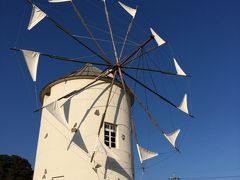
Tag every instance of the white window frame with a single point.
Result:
(110, 135)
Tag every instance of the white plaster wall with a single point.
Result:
(57, 155)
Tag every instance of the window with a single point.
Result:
(110, 135)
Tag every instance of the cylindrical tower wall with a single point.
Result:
(64, 153)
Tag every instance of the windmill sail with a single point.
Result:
(145, 154)
(178, 68)
(55, 109)
(130, 10)
(36, 16)
(172, 137)
(157, 38)
(31, 59)
(183, 106)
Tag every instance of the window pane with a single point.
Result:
(107, 143)
(113, 145)
(113, 134)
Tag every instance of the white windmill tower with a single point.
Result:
(86, 125)
(76, 139)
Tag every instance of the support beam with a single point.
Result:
(62, 58)
(125, 61)
(152, 70)
(149, 89)
(106, 72)
(59, 26)
(88, 30)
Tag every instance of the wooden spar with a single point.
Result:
(125, 61)
(143, 53)
(150, 116)
(110, 30)
(62, 58)
(149, 89)
(59, 26)
(81, 89)
(88, 30)
(154, 92)
(153, 70)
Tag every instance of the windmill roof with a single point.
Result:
(87, 72)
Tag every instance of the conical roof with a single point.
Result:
(87, 72)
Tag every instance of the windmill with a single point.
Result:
(86, 126)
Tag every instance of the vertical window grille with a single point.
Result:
(110, 135)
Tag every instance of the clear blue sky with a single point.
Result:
(205, 38)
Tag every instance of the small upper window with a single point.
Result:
(110, 135)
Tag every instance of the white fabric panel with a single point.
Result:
(56, 1)
(172, 137)
(145, 154)
(31, 59)
(102, 148)
(157, 38)
(36, 16)
(130, 10)
(55, 109)
(183, 106)
(178, 68)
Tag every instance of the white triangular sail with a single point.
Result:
(145, 154)
(103, 149)
(172, 137)
(184, 105)
(178, 68)
(130, 10)
(55, 109)
(31, 59)
(157, 38)
(56, 1)
(36, 16)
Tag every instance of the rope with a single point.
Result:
(125, 39)
(36, 94)
(87, 29)
(20, 28)
(103, 40)
(106, 32)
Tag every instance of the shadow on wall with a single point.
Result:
(113, 165)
